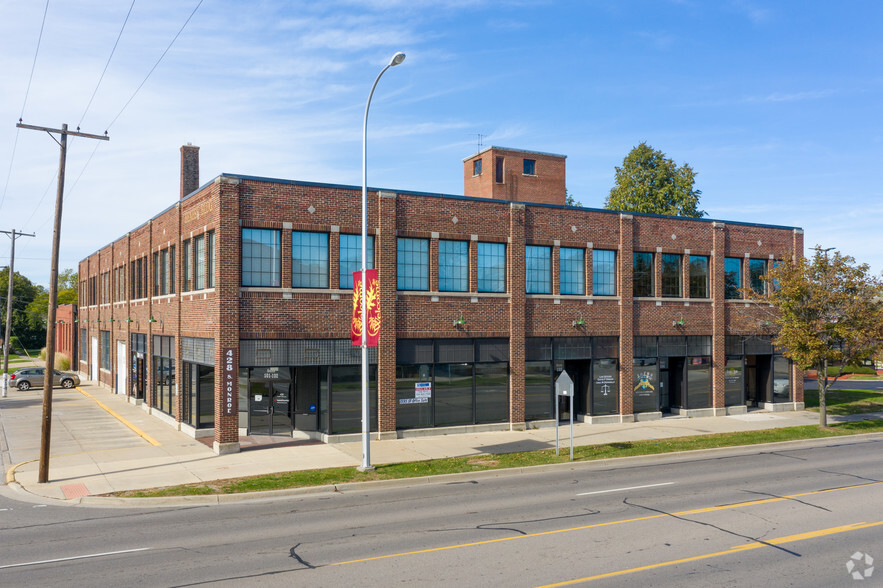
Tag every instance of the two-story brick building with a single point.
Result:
(485, 299)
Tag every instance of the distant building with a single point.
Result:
(485, 300)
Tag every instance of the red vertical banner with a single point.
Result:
(372, 303)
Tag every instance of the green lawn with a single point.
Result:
(847, 401)
(505, 460)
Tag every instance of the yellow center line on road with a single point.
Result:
(138, 431)
(738, 549)
(610, 523)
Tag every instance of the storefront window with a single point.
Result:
(491, 392)
(781, 379)
(414, 396)
(453, 394)
(733, 381)
(646, 385)
(698, 382)
(537, 390)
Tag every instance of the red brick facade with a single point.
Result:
(228, 313)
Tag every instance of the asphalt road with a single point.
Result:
(790, 515)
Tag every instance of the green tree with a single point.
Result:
(31, 333)
(38, 309)
(829, 311)
(569, 200)
(648, 181)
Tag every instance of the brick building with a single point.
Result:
(228, 313)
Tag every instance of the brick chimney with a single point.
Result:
(189, 169)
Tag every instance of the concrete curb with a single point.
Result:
(217, 499)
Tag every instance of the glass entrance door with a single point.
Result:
(269, 408)
(259, 415)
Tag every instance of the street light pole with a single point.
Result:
(366, 413)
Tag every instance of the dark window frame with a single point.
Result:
(643, 276)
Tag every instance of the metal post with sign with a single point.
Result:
(564, 387)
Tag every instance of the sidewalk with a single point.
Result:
(94, 451)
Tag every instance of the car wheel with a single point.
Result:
(67, 383)
(25, 385)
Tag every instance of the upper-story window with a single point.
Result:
(164, 271)
(671, 275)
(491, 267)
(603, 272)
(732, 277)
(573, 271)
(453, 266)
(498, 171)
(538, 269)
(138, 278)
(476, 167)
(309, 260)
(351, 257)
(412, 262)
(756, 273)
(530, 167)
(698, 276)
(642, 274)
(187, 265)
(261, 257)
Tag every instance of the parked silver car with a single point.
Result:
(27, 378)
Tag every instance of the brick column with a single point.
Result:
(178, 281)
(517, 299)
(589, 265)
(149, 397)
(334, 258)
(719, 327)
(626, 316)
(228, 248)
(385, 262)
(685, 274)
(433, 262)
(556, 267)
(473, 263)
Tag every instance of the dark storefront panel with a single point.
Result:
(491, 392)
(413, 410)
(605, 387)
(537, 390)
(699, 382)
(645, 387)
(453, 394)
(734, 375)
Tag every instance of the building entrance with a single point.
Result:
(757, 379)
(269, 408)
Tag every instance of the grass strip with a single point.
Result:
(434, 467)
(846, 401)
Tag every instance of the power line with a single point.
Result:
(34, 65)
(24, 103)
(132, 97)
(155, 65)
(112, 51)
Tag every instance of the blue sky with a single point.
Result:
(776, 105)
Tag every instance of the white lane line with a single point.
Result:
(629, 488)
(45, 561)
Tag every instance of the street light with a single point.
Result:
(366, 416)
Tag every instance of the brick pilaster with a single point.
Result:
(228, 246)
(719, 329)
(626, 313)
(517, 301)
(385, 262)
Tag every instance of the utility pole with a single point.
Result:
(13, 234)
(43, 475)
